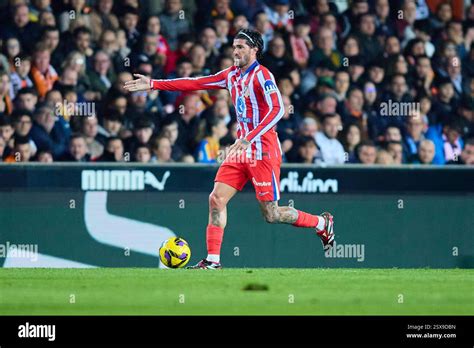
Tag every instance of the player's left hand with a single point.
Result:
(142, 83)
(238, 147)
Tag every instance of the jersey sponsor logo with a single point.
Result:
(309, 184)
(244, 119)
(269, 87)
(240, 105)
(263, 183)
(121, 180)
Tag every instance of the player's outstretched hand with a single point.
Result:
(142, 83)
(238, 148)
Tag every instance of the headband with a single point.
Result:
(242, 33)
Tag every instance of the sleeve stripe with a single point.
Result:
(274, 113)
(215, 81)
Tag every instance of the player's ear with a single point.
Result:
(255, 49)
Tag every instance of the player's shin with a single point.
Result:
(309, 220)
(214, 236)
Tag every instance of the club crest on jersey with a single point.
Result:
(240, 105)
(269, 87)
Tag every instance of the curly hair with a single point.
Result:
(253, 39)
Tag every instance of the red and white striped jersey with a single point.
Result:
(257, 100)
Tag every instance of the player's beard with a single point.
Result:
(240, 62)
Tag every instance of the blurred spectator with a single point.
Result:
(129, 22)
(352, 110)
(331, 149)
(467, 154)
(113, 151)
(81, 14)
(279, 15)
(47, 133)
(395, 148)
(50, 38)
(43, 74)
(447, 140)
(26, 98)
(142, 154)
(173, 22)
(222, 26)
(366, 152)
(415, 134)
(12, 49)
(21, 27)
(38, 6)
(300, 41)
(307, 151)
(77, 151)
(22, 123)
(2, 148)
(44, 157)
(426, 152)
(276, 58)
(161, 147)
(101, 77)
(263, 26)
(208, 148)
(370, 46)
(289, 122)
(142, 131)
(5, 99)
(384, 158)
(102, 18)
(90, 130)
(341, 85)
(19, 77)
(188, 123)
(392, 133)
(351, 137)
(21, 151)
(112, 124)
(169, 129)
(7, 131)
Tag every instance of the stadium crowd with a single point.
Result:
(368, 81)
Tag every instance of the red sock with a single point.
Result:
(306, 220)
(214, 236)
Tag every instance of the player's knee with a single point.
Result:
(216, 201)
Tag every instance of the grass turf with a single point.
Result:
(138, 291)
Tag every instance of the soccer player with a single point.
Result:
(256, 154)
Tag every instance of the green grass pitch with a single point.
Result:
(139, 291)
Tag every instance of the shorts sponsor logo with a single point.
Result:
(263, 183)
(37, 331)
(308, 184)
(262, 193)
(121, 180)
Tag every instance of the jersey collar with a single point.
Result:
(250, 68)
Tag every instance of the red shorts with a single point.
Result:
(264, 175)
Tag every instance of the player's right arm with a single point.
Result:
(143, 83)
